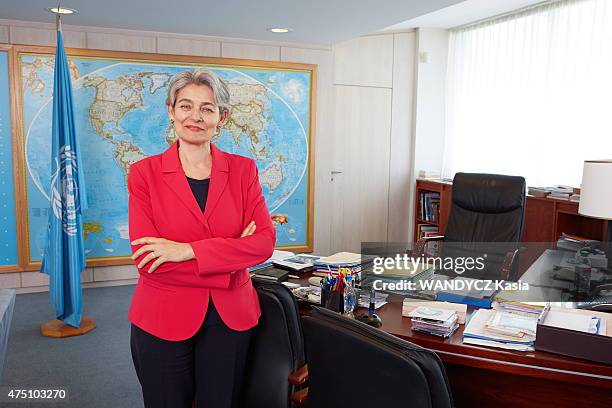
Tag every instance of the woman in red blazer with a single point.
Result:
(197, 220)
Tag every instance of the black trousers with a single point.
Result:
(207, 368)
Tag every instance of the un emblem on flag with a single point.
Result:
(64, 190)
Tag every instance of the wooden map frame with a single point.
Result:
(19, 166)
(13, 118)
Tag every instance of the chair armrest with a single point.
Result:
(299, 376)
(299, 397)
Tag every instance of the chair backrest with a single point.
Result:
(276, 349)
(486, 217)
(351, 364)
(486, 208)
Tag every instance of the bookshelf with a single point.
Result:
(546, 219)
(432, 206)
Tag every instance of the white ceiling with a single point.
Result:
(462, 13)
(314, 22)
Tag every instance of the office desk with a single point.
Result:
(487, 377)
(483, 376)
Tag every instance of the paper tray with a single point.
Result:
(588, 346)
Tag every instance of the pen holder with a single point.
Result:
(332, 300)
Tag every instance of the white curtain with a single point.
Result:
(531, 93)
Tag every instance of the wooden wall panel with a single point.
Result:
(361, 145)
(185, 46)
(46, 36)
(121, 42)
(364, 61)
(401, 165)
(250, 51)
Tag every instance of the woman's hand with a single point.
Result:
(162, 250)
(249, 230)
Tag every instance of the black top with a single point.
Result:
(199, 188)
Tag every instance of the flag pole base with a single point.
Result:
(57, 328)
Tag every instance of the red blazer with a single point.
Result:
(171, 302)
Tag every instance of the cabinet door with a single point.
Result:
(539, 220)
(361, 166)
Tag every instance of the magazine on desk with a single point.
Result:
(297, 263)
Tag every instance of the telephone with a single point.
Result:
(601, 301)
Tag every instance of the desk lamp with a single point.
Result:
(596, 195)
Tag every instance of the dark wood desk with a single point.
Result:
(489, 377)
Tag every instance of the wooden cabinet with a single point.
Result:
(546, 219)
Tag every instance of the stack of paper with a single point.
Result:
(276, 256)
(517, 326)
(500, 329)
(439, 322)
(574, 321)
(348, 260)
(411, 272)
(514, 302)
(380, 299)
(408, 305)
(310, 294)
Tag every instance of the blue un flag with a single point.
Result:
(64, 256)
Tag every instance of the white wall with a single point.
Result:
(430, 117)
(432, 50)
(20, 32)
(373, 84)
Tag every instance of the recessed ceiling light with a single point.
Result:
(279, 30)
(62, 10)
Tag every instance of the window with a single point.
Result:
(531, 93)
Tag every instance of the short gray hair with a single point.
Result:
(200, 76)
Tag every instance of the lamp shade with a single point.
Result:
(596, 189)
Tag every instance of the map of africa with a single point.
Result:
(121, 118)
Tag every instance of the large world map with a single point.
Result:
(121, 118)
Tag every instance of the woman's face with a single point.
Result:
(195, 114)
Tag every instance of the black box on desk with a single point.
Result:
(332, 300)
(572, 343)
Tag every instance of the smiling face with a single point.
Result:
(195, 114)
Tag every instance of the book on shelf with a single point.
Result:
(559, 195)
(558, 192)
(576, 243)
(562, 189)
(429, 206)
(426, 230)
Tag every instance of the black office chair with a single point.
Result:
(351, 364)
(276, 352)
(486, 216)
